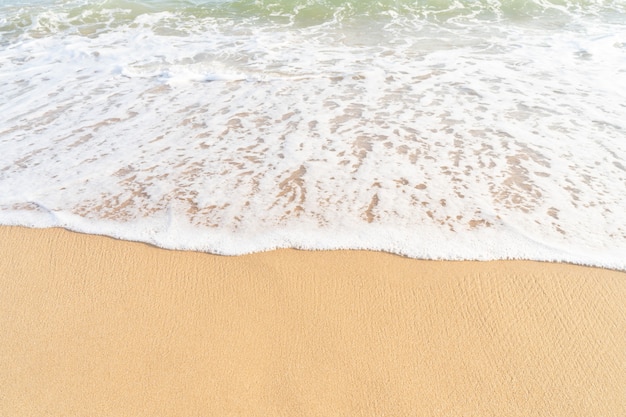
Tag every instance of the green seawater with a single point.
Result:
(16, 14)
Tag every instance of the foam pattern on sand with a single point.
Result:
(449, 139)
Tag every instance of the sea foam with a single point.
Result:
(476, 136)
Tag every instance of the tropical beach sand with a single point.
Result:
(93, 326)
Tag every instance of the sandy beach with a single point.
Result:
(94, 326)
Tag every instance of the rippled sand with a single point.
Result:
(94, 326)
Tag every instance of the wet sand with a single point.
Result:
(93, 326)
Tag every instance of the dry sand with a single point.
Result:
(93, 326)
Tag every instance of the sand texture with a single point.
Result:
(93, 326)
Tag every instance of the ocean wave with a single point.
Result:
(90, 17)
(234, 127)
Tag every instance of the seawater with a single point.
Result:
(439, 129)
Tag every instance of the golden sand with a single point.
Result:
(93, 326)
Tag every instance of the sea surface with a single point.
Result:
(438, 129)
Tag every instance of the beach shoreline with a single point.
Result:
(96, 326)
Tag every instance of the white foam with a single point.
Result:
(451, 141)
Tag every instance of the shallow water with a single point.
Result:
(454, 130)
